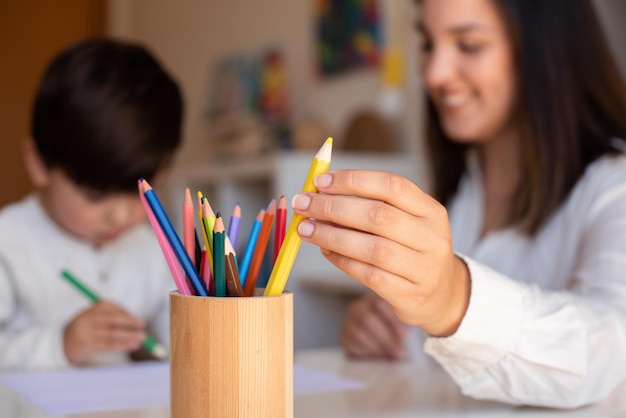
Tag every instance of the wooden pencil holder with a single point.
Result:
(231, 356)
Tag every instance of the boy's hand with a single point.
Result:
(103, 327)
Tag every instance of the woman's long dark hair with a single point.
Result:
(571, 105)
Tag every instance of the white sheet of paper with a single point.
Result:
(139, 385)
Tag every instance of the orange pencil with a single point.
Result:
(281, 224)
(189, 239)
(259, 249)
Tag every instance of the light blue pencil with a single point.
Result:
(248, 252)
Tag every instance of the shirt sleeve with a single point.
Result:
(523, 345)
(31, 348)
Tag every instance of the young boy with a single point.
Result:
(105, 114)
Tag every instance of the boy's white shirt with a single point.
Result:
(36, 303)
(546, 322)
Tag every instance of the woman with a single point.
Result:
(516, 269)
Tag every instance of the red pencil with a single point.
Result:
(205, 272)
(281, 224)
(259, 249)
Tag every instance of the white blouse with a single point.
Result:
(546, 322)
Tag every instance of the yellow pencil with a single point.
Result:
(291, 243)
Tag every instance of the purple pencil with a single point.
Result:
(233, 225)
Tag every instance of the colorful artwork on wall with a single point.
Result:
(252, 86)
(348, 35)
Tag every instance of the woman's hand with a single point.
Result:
(102, 327)
(372, 330)
(388, 234)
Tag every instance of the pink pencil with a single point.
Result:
(170, 257)
(188, 234)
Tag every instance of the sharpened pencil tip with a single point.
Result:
(325, 152)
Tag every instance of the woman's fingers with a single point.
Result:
(385, 232)
(377, 185)
(367, 248)
(373, 216)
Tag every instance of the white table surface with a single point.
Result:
(393, 390)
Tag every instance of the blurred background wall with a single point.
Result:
(190, 36)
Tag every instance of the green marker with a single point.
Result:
(149, 343)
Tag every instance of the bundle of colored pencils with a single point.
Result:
(213, 269)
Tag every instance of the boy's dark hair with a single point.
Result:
(107, 113)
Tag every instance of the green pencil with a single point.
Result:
(219, 260)
(149, 343)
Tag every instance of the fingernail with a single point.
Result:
(300, 202)
(323, 180)
(306, 228)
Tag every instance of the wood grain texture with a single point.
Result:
(231, 356)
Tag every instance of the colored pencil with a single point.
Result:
(233, 225)
(205, 273)
(172, 262)
(281, 224)
(289, 249)
(149, 343)
(172, 237)
(188, 238)
(200, 196)
(248, 252)
(208, 217)
(259, 249)
(207, 248)
(219, 272)
(198, 250)
(233, 283)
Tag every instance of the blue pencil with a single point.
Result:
(248, 252)
(170, 233)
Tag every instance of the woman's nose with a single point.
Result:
(437, 68)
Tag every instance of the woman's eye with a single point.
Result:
(470, 48)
